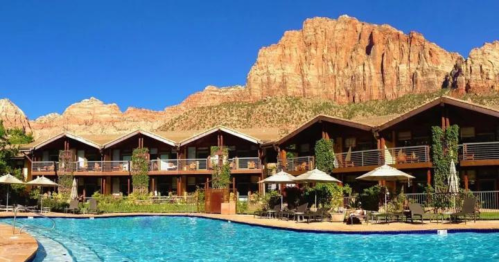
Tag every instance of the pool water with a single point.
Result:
(199, 239)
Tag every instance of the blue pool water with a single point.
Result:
(198, 239)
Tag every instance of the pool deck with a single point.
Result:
(16, 247)
(24, 246)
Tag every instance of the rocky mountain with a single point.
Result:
(92, 116)
(13, 117)
(326, 64)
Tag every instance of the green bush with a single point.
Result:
(369, 199)
(55, 204)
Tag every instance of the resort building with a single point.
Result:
(180, 162)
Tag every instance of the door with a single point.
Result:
(116, 155)
(191, 152)
(164, 162)
(81, 158)
(116, 185)
(125, 164)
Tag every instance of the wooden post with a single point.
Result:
(179, 184)
(428, 177)
(153, 186)
(443, 121)
(466, 180)
(128, 189)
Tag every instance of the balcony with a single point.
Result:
(44, 167)
(400, 157)
(297, 165)
(479, 154)
(101, 167)
(164, 165)
(245, 164)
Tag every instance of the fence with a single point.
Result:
(488, 201)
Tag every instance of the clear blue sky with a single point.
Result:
(153, 54)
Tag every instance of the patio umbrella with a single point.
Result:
(42, 182)
(453, 182)
(387, 173)
(74, 190)
(279, 178)
(9, 180)
(316, 176)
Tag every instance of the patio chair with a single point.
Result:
(73, 206)
(468, 210)
(415, 211)
(318, 215)
(273, 212)
(93, 209)
(348, 159)
(401, 157)
(296, 213)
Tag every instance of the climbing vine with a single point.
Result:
(65, 173)
(324, 155)
(140, 177)
(444, 149)
(221, 176)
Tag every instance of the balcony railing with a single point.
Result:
(102, 166)
(44, 166)
(480, 151)
(302, 163)
(242, 163)
(193, 164)
(164, 165)
(391, 156)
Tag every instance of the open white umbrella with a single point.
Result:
(279, 178)
(42, 182)
(9, 180)
(74, 190)
(316, 176)
(387, 173)
(453, 182)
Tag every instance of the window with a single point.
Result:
(404, 136)
(304, 148)
(467, 132)
(350, 142)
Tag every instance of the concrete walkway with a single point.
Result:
(16, 247)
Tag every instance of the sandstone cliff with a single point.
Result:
(92, 116)
(13, 117)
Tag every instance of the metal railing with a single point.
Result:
(391, 156)
(193, 164)
(487, 200)
(44, 166)
(480, 151)
(302, 163)
(164, 165)
(238, 163)
(102, 166)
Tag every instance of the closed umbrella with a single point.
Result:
(453, 182)
(74, 190)
(42, 182)
(279, 178)
(9, 180)
(316, 176)
(387, 173)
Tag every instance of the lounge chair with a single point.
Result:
(273, 212)
(318, 215)
(415, 211)
(468, 210)
(297, 213)
(92, 209)
(73, 206)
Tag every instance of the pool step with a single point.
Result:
(50, 250)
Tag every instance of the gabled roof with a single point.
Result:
(445, 100)
(134, 133)
(223, 129)
(42, 143)
(325, 118)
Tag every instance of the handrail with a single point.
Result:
(25, 226)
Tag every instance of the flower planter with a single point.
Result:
(337, 217)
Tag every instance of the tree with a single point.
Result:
(444, 149)
(324, 155)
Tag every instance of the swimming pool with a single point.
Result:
(199, 239)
